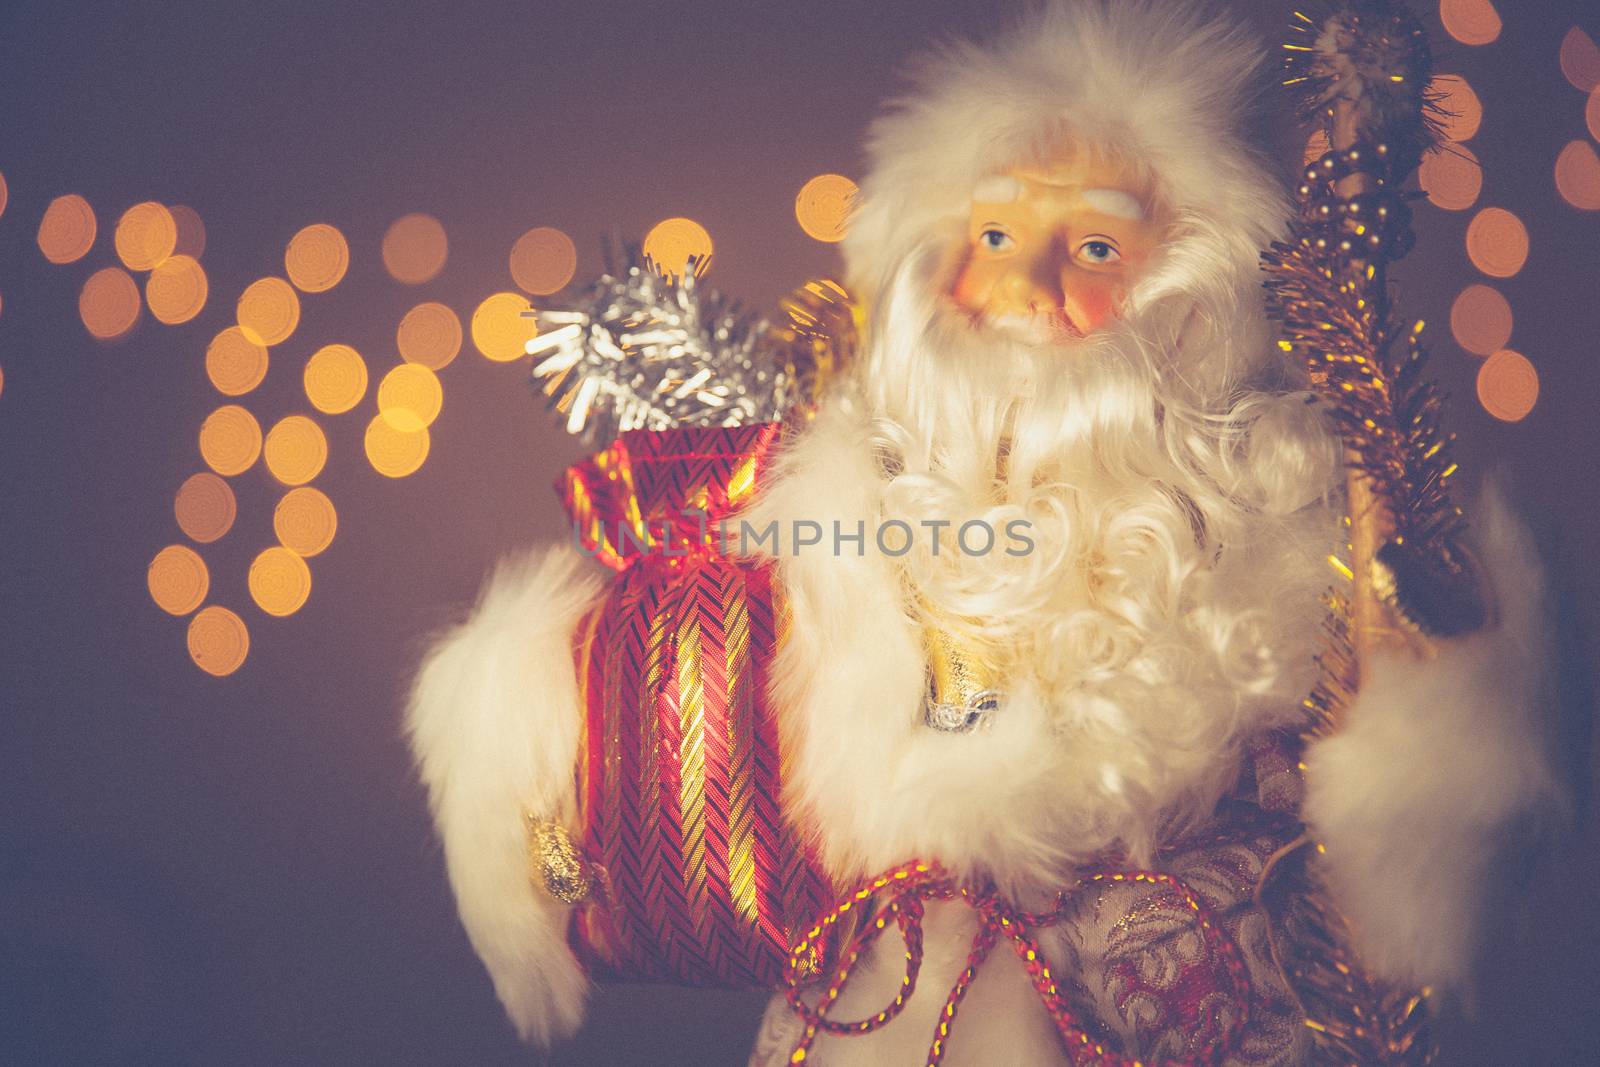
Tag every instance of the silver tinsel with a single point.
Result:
(643, 350)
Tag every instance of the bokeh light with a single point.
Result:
(1452, 177)
(1473, 22)
(543, 261)
(1481, 320)
(109, 303)
(395, 453)
(235, 363)
(1463, 111)
(500, 330)
(671, 242)
(230, 440)
(1578, 176)
(191, 231)
(415, 248)
(279, 581)
(269, 311)
(1497, 242)
(296, 450)
(2, 381)
(1591, 114)
(5, 194)
(145, 236)
(409, 397)
(317, 258)
(1580, 60)
(429, 334)
(205, 507)
(178, 579)
(177, 289)
(218, 641)
(335, 379)
(305, 521)
(67, 229)
(1508, 386)
(823, 206)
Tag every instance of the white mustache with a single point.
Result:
(1036, 329)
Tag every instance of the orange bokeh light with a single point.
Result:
(1497, 242)
(395, 453)
(543, 261)
(145, 236)
(500, 330)
(177, 289)
(1481, 320)
(191, 231)
(415, 248)
(1580, 60)
(1591, 114)
(305, 521)
(109, 303)
(205, 507)
(218, 641)
(1578, 176)
(409, 397)
(235, 363)
(178, 579)
(295, 450)
(671, 242)
(230, 440)
(335, 379)
(67, 229)
(5, 194)
(1463, 110)
(317, 258)
(429, 334)
(1452, 177)
(269, 311)
(279, 581)
(1473, 22)
(1508, 386)
(822, 206)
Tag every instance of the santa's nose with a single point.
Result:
(1033, 288)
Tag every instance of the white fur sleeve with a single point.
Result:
(1438, 763)
(494, 724)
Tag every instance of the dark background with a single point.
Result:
(240, 870)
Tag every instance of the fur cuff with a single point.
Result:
(494, 726)
(1439, 765)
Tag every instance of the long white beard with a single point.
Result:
(1167, 612)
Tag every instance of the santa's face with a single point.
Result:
(1053, 249)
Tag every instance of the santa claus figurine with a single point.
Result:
(963, 707)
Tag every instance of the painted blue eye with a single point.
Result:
(995, 240)
(1099, 252)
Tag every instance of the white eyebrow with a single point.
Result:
(1114, 202)
(997, 189)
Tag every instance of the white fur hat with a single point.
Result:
(1162, 81)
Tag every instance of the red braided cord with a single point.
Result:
(909, 885)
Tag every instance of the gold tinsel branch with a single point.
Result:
(1362, 68)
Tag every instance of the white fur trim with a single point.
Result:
(494, 724)
(1438, 762)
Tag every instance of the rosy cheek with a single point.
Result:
(1092, 302)
(970, 290)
